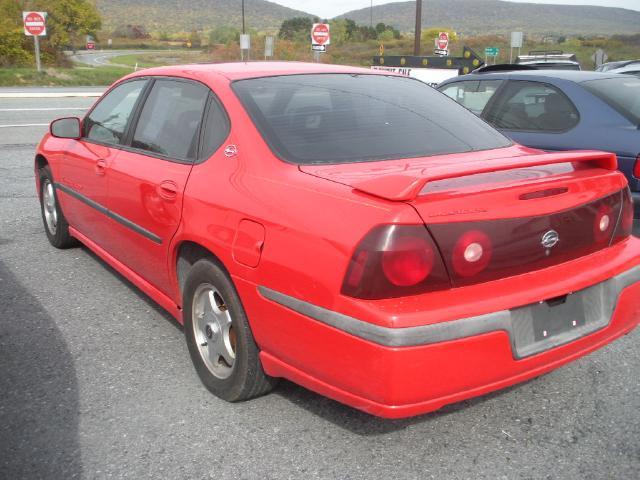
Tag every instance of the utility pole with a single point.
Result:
(243, 17)
(416, 44)
(371, 13)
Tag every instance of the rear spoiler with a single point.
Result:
(405, 187)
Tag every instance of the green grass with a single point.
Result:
(156, 59)
(12, 77)
(143, 61)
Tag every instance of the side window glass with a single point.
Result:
(216, 129)
(534, 106)
(107, 122)
(170, 119)
(474, 95)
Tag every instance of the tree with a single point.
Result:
(296, 28)
(224, 34)
(67, 20)
(13, 48)
(432, 33)
(352, 28)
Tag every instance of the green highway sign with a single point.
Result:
(492, 51)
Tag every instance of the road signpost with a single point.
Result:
(35, 26)
(269, 43)
(600, 57)
(516, 42)
(320, 38)
(491, 52)
(245, 46)
(442, 44)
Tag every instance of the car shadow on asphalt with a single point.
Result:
(364, 424)
(134, 290)
(39, 399)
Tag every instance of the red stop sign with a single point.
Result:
(34, 23)
(320, 34)
(443, 41)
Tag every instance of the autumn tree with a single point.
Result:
(13, 43)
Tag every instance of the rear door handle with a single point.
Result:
(168, 190)
(101, 166)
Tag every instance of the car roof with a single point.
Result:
(242, 70)
(568, 75)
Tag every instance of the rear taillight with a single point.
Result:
(636, 167)
(394, 261)
(625, 223)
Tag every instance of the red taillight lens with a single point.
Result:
(636, 167)
(625, 224)
(394, 261)
(409, 263)
(471, 253)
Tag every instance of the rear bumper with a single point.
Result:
(400, 372)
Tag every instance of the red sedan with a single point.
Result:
(357, 233)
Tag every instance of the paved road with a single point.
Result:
(100, 58)
(23, 121)
(96, 383)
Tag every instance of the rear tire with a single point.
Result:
(55, 224)
(219, 337)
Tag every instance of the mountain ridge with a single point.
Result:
(171, 16)
(497, 16)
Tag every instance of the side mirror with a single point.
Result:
(66, 128)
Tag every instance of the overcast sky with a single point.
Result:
(332, 8)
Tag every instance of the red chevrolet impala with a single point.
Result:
(357, 233)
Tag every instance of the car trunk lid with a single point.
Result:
(500, 213)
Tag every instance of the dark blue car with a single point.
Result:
(560, 110)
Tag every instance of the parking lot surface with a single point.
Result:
(96, 382)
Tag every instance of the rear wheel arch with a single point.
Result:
(187, 254)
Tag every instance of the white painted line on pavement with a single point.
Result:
(25, 125)
(49, 94)
(47, 109)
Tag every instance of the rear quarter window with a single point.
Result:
(535, 107)
(622, 94)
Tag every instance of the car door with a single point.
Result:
(148, 177)
(535, 114)
(84, 166)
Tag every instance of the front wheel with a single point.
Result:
(55, 224)
(219, 337)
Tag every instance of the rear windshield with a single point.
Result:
(339, 118)
(622, 94)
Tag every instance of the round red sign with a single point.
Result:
(443, 41)
(34, 23)
(320, 34)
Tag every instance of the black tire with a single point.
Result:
(58, 235)
(245, 378)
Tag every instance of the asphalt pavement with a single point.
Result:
(96, 383)
(101, 58)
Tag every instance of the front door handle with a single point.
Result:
(168, 190)
(101, 166)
